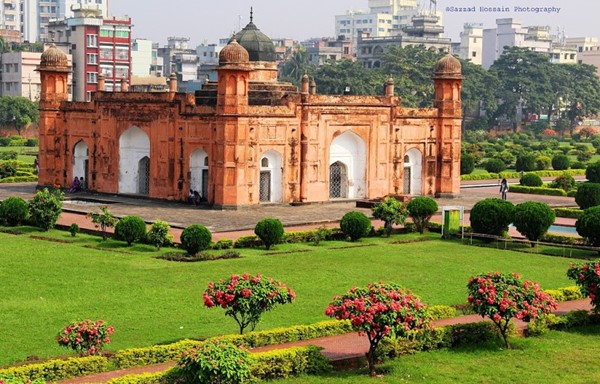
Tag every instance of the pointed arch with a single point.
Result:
(199, 172)
(350, 150)
(413, 172)
(81, 161)
(134, 145)
(271, 177)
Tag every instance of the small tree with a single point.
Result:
(588, 195)
(130, 229)
(588, 225)
(565, 182)
(420, 209)
(355, 225)
(195, 238)
(14, 211)
(467, 164)
(492, 216)
(504, 296)
(533, 219)
(592, 172)
(85, 337)
(531, 180)
(103, 219)
(525, 163)
(494, 166)
(378, 310)
(270, 231)
(159, 235)
(587, 278)
(391, 211)
(246, 298)
(45, 208)
(215, 361)
(74, 229)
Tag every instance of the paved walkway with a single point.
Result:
(336, 348)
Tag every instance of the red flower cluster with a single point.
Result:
(245, 298)
(86, 337)
(587, 278)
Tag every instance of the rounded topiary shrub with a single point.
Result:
(195, 238)
(14, 211)
(592, 172)
(420, 209)
(269, 230)
(355, 225)
(588, 195)
(588, 225)
(578, 165)
(492, 216)
(467, 164)
(525, 163)
(542, 162)
(495, 166)
(531, 180)
(130, 229)
(565, 182)
(533, 219)
(561, 162)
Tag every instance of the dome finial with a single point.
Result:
(251, 14)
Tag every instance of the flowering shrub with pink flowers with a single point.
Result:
(85, 337)
(504, 296)
(379, 310)
(245, 298)
(587, 278)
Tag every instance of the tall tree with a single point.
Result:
(17, 112)
(525, 82)
(478, 90)
(581, 94)
(412, 69)
(348, 77)
(296, 66)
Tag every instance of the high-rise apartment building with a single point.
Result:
(471, 43)
(98, 46)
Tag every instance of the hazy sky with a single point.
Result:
(208, 20)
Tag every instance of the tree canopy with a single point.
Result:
(18, 112)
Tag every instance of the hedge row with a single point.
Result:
(517, 175)
(252, 241)
(538, 190)
(55, 370)
(565, 294)
(571, 213)
(19, 179)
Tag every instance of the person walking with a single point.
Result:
(503, 188)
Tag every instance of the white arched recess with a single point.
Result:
(80, 161)
(413, 171)
(199, 172)
(349, 150)
(134, 145)
(271, 177)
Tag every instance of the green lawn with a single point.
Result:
(26, 154)
(558, 357)
(46, 285)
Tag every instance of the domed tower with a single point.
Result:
(447, 82)
(233, 71)
(54, 71)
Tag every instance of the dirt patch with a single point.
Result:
(36, 237)
(12, 231)
(286, 252)
(355, 246)
(108, 249)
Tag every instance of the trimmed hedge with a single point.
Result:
(156, 354)
(55, 370)
(516, 175)
(19, 179)
(571, 213)
(537, 190)
(565, 294)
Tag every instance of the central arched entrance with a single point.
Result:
(348, 167)
(199, 173)
(271, 178)
(81, 162)
(413, 169)
(134, 162)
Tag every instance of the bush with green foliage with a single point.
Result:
(195, 238)
(588, 195)
(270, 231)
(14, 211)
(506, 156)
(9, 155)
(592, 172)
(390, 211)
(492, 216)
(531, 180)
(525, 163)
(85, 337)
(579, 165)
(584, 156)
(542, 162)
(565, 182)
(215, 361)
(103, 219)
(588, 225)
(494, 166)
(537, 190)
(420, 209)
(8, 169)
(355, 225)
(533, 219)
(159, 234)
(130, 229)
(45, 208)
(467, 164)
(74, 229)
(223, 244)
(31, 142)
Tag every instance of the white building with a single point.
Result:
(19, 77)
(471, 43)
(10, 11)
(144, 56)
